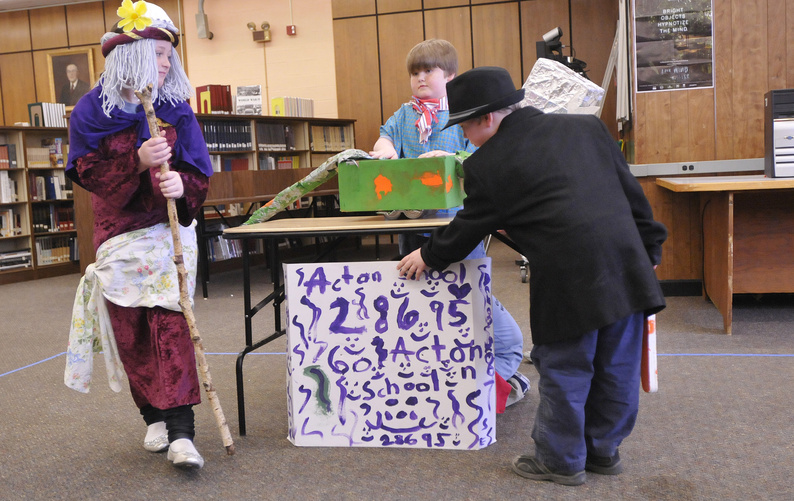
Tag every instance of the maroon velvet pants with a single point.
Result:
(157, 352)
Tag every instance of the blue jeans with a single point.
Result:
(589, 394)
(508, 339)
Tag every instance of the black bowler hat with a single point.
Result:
(480, 91)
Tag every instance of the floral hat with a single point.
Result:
(140, 20)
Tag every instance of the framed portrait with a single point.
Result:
(71, 75)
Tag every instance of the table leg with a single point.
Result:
(717, 219)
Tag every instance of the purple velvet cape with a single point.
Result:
(88, 125)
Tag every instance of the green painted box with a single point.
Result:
(401, 184)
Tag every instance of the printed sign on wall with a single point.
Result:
(674, 44)
(375, 360)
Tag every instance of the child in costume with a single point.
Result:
(417, 130)
(561, 189)
(128, 299)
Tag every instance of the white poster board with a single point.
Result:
(374, 360)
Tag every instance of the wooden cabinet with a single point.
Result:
(38, 235)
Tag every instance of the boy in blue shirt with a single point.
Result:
(415, 131)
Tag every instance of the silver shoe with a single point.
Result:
(183, 454)
(156, 439)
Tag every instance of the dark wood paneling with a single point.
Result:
(14, 31)
(17, 96)
(397, 35)
(85, 23)
(537, 18)
(357, 84)
(454, 26)
(723, 43)
(592, 43)
(776, 39)
(48, 28)
(347, 8)
(496, 38)
(749, 77)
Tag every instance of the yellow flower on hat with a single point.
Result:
(132, 15)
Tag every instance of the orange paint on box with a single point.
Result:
(431, 179)
(382, 186)
(449, 183)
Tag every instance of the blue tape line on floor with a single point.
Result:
(33, 364)
(284, 353)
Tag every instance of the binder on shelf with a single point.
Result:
(214, 99)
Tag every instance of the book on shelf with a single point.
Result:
(248, 100)
(15, 259)
(235, 164)
(275, 137)
(292, 107)
(214, 99)
(8, 156)
(47, 114)
(8, 188)
(226, 135)
(288, 162)
(330, 138)
(56, 249)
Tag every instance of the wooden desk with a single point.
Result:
(271, 232)
(748, 232)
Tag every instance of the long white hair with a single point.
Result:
(134, 65)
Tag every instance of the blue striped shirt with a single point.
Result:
(402, 131)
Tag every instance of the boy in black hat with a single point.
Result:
(561, 189)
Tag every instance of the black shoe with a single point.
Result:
(604, 465)
(530, 467)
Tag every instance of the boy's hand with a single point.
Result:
(170, 184)
(153, 153)
(383, 148)
(435, 153)
(412, 265)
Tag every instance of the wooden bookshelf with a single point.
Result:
(38, 231)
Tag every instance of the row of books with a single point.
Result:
(51, 218)
(268, 161)
(56, 249)
(10, 222)
(292, 107)
(214, 99)
(227, 136)
(8, 188)
(219, 248)
(228, 164)
(275, 137)
(8, 156)
(47, 114)
(55, 186)
(330, 138)
(10, 260)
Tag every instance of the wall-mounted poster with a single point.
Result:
(375, 360)
(673, 44)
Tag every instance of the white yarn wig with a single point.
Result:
(133, 65)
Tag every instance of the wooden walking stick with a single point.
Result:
(145, 97)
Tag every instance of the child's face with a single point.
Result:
(429, 83)
(477, 130)
(162, 50)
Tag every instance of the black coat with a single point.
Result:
(561, 189)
